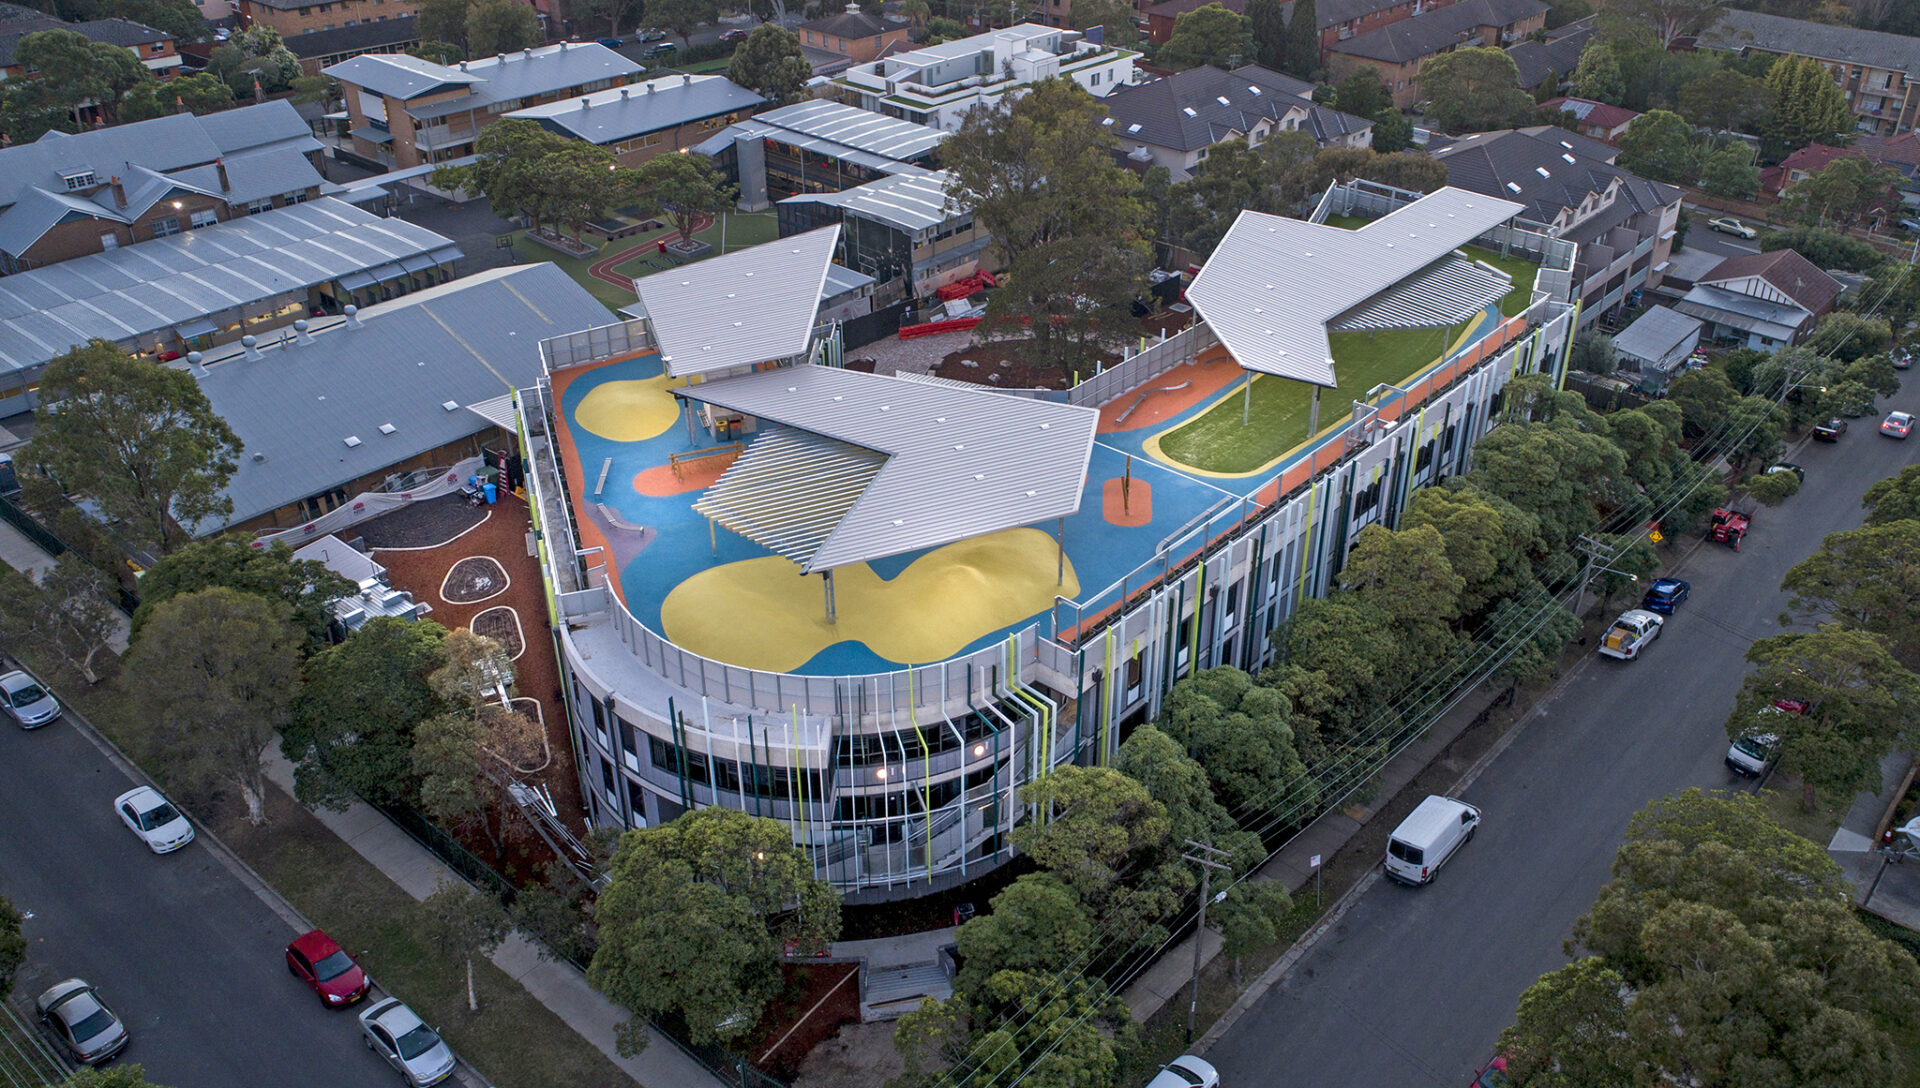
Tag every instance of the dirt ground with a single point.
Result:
(857, 1056)
(818, 999)
(996, 363)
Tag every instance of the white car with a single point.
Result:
(26, 702)
(415, 1050)
(1733, 227)
(1186, 1071)
(154, 819)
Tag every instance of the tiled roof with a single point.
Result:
(1593, 113)
(852, 24)
(1787, 270)
(1435, 31)
(108, 31)
(1558, 55)
(1543, 171)
(1741, 30)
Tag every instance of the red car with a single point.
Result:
(735, 35)
(316, 960)
(1494, 1075)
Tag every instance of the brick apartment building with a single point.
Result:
(155, 48)
(1880, 73)
(1398, 49)
(293, 18)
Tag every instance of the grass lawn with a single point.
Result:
(742, 229)
(1782, 799)
(514, 1039)
(1217, 442)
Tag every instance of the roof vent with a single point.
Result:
(450, 405)
(300, 331)
(626, 92)
(686, 79)
(352, 312)
(388, 428)
(649, 88)
(353, 440)
(528, 52)
(258, 457)
(463, 66)
(586, 102)
(248, 341)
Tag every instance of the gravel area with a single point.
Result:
(913, 356)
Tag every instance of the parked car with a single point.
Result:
(1830, 430)
(1186, 1071)
(315, 959)
(612, 43)
(1729, 527)
(1733, 226)
(1634, 631)
(1902, 359)
(415, 1050)
(1788, 466)
(651, 34)
(1435, 829)
(81, 1021)
(661, 49)
(1755, 749)
(154, 819)
(1897, 425)
(737, 34)
(26, 701)
(1665, 595)
(1493, 1074)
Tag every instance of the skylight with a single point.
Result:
(1512, 186)
(1188, 110)
(1542, 171)
(1222, 99)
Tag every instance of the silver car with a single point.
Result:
(415, 1050)
(82, 1022)
(26, 702)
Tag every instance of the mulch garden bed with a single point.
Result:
(997, 364)
(823, 994)
(502, 625)
(423, 524)
(474, 579)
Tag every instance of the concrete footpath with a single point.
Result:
(1881, 883)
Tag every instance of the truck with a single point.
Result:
(1630, 634)
(1728, 526)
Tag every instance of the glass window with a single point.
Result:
(205, 218)
(164, 227)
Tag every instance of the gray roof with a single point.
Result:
(108, 31)
(851, 24)
(1546, 171)
(1273, 284)
(1437, 30)
(1740, 30)
(1731, 308)
(398, 75)
(914, 200)
(1201, 106)
(1656, 334)
(257, 175)
(886, 466)
(526, 74)
(151, 287)
(163, 144)
(840, 280)
(461, 342)
(739, 309)
(850, 126)
(352, 39)
(621, 113)
(1559, 54)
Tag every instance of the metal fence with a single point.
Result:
(1143, 366)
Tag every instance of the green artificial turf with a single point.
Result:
(1216, 441)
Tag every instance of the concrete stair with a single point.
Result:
(893, 992)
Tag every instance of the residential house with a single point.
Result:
(345, 404)
(937, 85)
(68, 195)
(1340, 20)
(816, 147)
(856, 36)
(1765, 301)
(1398, 49)
(325, 48)
(1655, 347)
(1880, 73)
(637, 121)
(1623, 224)
(1553, 56)
(1803, 164)
(407, 112)
(155, 48)
(1173, 121)
(903, 230)
(293, 18)
(1596, 120)
(1901, 153)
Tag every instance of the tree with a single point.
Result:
(1267, 19)
(1557, 471)
(1248, 919)
(615, 12)
(682, 17)
(68, 611)
(1757, 424)
(1725, 100)
(446, 760)
(1830, 250)
(1844, 192)
(1866, 579)
(255, 61)
(1772, 488)
(217, 670)
(1808, 107)
(1562, 12)
(1592, 352)
(1705, 398)
(1362, 93)
(696, 914)
(683, 188)
(1095, 826)
(1232, 178)
(506, 167)
(771, 64)
(1208, 35)
(140, 440)
(1392, 131)
(1569, 1029)
(942, 29)
(1658, 23)
(1894, 499)
(444, 21)
(351, 733)
(460, 921)
(1473, 89)
(1659, 144)
(580, 182)
(1115, 15)
(1860, 699)
(917, 12)
(1846, 337)
(1598, 77)
(1730, 172)
(1405, 574)
(1038, 924)
(1178, 781)
(1242, 733)
(271, 572)
(13, 946)
(500, 26)
(73, 71)
(1035, 1030)
(1303, 41)
(1491, 544)
(119, 1076)
(201, 93)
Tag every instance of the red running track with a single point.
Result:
(602, 269)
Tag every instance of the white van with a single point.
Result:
(1428, 837)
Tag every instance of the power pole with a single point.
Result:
(1587, 547)
(1204, 859)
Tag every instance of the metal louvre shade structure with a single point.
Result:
(868, 466)
(790, 490)
(1274, 284)
(1445, 294)
(740, 309)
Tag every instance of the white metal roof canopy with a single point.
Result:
(739, 309)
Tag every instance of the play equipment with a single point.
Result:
(679, 461)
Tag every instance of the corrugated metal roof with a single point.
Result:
(1446, 293)
(153, 286)
(1656, 334)
(621, 113)
(739, 309)
(1724, 307)
(466, 342)
(960, 463)
(397, 75)
(529, 73)
(853, 127)
(790, 490)
(909, 201)
(1274, 283)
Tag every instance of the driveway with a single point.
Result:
(1413, 986)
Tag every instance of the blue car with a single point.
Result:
(1665, 596)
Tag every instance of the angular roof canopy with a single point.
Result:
(1274, 284)
(866, 466)
(911, 200)
(740, 309)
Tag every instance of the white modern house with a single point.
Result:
(936, 86)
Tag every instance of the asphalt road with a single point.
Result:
(1414, 985)
(188, 956)
(1707, 240)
